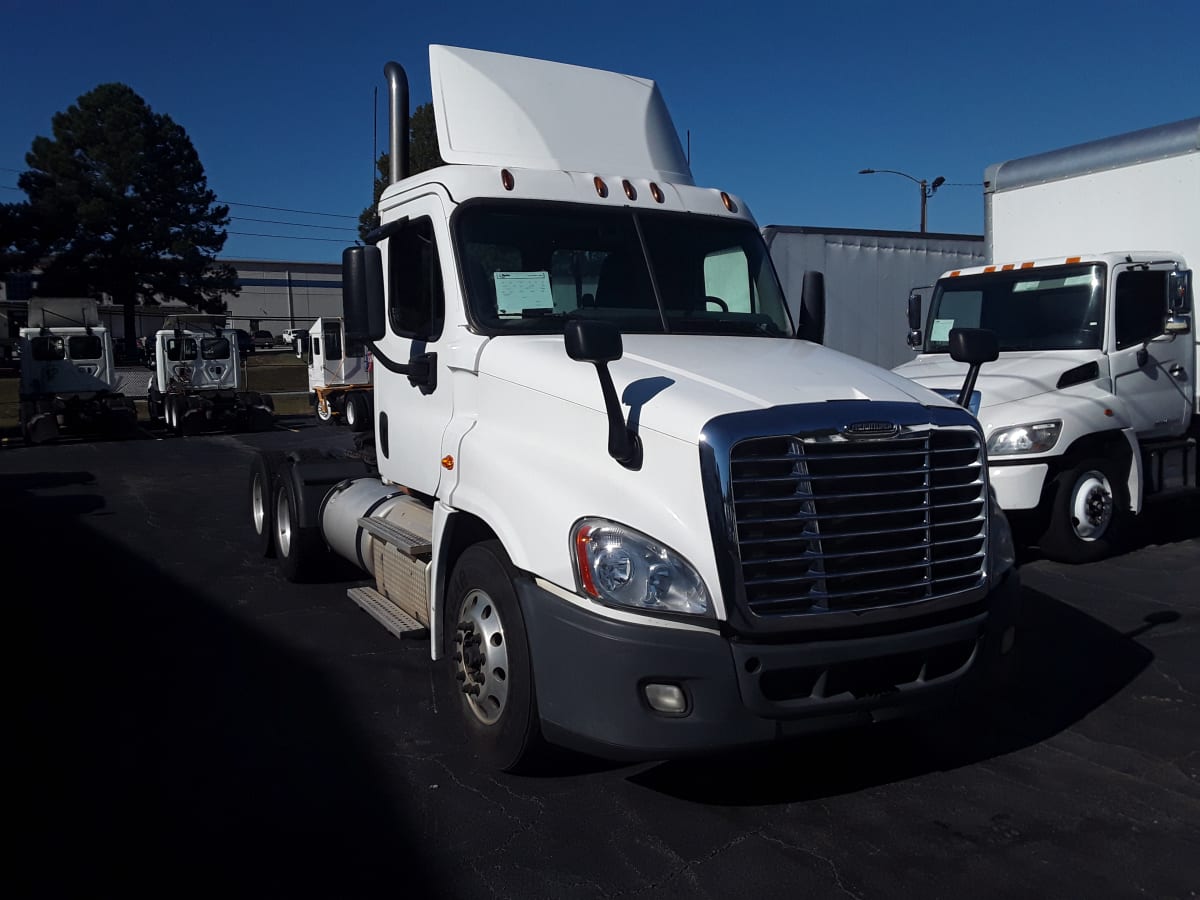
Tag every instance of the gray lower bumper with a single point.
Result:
(590, 672)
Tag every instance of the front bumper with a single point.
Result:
(1018, 486)
(590, 672)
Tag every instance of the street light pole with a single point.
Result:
(927, 189)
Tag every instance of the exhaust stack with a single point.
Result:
(398, 140)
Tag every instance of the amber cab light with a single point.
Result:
(728, 201)
(630, 190)
(656, 193)
(506, 179)
(601, 187)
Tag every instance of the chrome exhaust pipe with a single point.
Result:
(398, 138)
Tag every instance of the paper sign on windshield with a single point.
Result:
(519, 291)
(940, 332)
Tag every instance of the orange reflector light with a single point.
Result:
(585, 572)
(601, 187)
(1026, 265)
(956, 273)
(1074, 259)
(448, 463)
(1008, 267)
(656, 193)
(630, 192)
(989, 268)
(506, 179)
(728, 201)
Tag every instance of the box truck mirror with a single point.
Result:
(915, 335)
(1179, 291)
(362, 293)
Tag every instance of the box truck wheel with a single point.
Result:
(324, 410)
(1088, 513)
(301, 550)
(488, 658)
(357, 415)
(262, 493)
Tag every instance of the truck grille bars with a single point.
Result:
(832, 521)
(841, 525)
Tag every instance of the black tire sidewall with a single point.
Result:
(307, 554)
(1060, 541)
(510, 742)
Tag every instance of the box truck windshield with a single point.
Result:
(1059, 308)
(529, 267)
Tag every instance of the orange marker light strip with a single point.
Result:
(1026, 265)
(1074, 259)
(1008, 267)
(956, 273)
(989, 268)
(601, 187)
(585, 573)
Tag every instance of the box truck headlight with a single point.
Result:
(623, 567)
(1036, 438)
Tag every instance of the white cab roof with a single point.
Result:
(493, 109)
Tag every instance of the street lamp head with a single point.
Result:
(937, 183)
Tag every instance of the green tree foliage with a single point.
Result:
(422, 155)
(119, 204)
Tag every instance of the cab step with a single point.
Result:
(387, 613)
(407, 542)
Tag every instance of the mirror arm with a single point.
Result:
(623, 445)
(964, 396)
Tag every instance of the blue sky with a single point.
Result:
(784, 102)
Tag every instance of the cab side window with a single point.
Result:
(416, 301)
(1141, 307)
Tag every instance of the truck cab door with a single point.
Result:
(413, 391)
(333, 353)
(1154, 373)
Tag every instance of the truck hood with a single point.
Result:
(674, 384)
(1014, 376)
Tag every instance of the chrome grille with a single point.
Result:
(827, 524)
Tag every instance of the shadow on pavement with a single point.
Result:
(1071, 663)
(161, 746)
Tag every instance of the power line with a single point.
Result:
(297, 224)
(305, 212)
(288, 237)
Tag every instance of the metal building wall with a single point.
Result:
(279, 295)
(868, 275)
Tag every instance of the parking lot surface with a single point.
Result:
(187, 722)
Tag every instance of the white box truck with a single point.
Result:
(1092, 406)
(68, 377)
(637, 509)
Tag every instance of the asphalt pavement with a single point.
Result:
(187, 722)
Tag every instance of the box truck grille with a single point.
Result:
(830, 524)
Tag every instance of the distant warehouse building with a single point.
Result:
(278, 295)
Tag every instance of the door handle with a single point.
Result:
(1178, 372)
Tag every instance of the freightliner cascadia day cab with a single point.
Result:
(68, 377)
(339, 374)
(638, 510)
(199, 381)
(1092, 406)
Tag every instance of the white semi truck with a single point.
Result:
(339, 374)
(68, 377)
(199, 381)
(637, 508)
(1092, 406)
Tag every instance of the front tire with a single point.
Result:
(489, 666)
(1089, 513)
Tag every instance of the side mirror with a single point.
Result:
(599, 343)
(974, 346)
(1179, 292)
(812, 308)
(916, 337)
(1177, 324)
(591, 341)
(362, 293)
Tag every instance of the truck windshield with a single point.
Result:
(530, 267)
(1059, 308)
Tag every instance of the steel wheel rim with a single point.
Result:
(324, 412)
(351, 416)
(283, 523)
(481, 655)
(1091, 505)
(257, 505)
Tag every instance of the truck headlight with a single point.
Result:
(1036, 438)
(623, 567)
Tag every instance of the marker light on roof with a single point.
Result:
(630, 190)
(656, 193)
(506, 179)
(728, 201)
(601, 187)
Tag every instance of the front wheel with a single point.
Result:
(1089, 513)
(484, 638)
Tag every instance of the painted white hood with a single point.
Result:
(674, 384)
(1014, 376)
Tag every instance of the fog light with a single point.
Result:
(666, 698)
